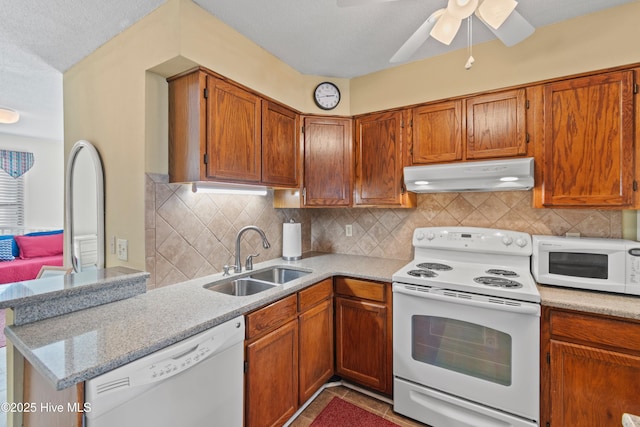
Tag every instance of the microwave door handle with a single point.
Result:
(523, 308)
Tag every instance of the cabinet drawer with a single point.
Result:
(373, 291)
(311, 296)
(271, 316)
(595, 330)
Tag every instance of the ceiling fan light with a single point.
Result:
(446, 28)
(8, 116)
(495, 12)
(461, 9)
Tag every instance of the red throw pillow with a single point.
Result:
(39, 246)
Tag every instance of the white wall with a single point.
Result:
(44, 182)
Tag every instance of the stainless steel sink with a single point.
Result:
(279, 275)
(241, 287)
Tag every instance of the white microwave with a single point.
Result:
(610, 265)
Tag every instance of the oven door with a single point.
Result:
(478, 348)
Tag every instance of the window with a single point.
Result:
(11, 200)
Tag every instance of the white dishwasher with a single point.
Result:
(195, 382)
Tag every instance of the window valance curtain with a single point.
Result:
(16, 163)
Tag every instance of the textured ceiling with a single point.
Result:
(317, 37)
(39, 39)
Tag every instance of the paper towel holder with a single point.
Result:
(291, 241)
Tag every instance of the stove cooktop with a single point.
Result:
(476, 260)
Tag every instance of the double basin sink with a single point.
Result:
(257, 282)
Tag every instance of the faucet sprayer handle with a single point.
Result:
(249, 263)
(226, 268)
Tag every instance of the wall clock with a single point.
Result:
(326, 95)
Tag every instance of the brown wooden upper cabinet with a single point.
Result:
(491, 125)
(280, 148)
(233, 143)
(437, 133)
(219, 131)
(587, 157)
(380, 155)
(327, 162)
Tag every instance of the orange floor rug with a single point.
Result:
(340, 413)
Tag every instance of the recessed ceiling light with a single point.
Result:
(8, 116)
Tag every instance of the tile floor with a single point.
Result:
(383, 409)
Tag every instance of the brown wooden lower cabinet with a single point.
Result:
(289, 354)
(272, 377)
(364, 333)
(39, 391)
(591, 369)
(316, 349)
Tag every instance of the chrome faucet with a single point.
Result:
(265, 244)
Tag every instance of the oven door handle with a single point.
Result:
(454, 298)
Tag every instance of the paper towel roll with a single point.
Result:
(291, 241)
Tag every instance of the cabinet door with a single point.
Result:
(496, 125)
(187, 127)
(233, 133)
(588, 141)
(379, 160)
(437, 133)
(316, 348)
(327, 162)
(280, 153)
(272, 377)
(592, 387)
(361, 343)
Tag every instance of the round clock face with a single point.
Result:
(327, 96)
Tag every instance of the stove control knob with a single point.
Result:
(419, 235)
(431, 236)
(507, 240)
(521, 242)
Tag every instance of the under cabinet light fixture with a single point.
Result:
(228, 188)
(8, 116)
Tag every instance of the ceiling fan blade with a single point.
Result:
(495, 12)
(514, 30)
(349, 3)
(446, 28)
(417, 38)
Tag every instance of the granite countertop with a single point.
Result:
(75, 347)
(78, 346)
(627, 306)
(34, 300)
(29, 291)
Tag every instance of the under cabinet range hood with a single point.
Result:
(490, 175)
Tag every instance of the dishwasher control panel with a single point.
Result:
(181, 362)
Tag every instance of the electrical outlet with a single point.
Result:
(572, 234)
(348, 229)
(123, 249)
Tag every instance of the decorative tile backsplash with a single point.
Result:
(191, 235)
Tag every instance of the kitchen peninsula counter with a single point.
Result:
(78, 346)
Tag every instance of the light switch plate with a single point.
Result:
(123, 249)
(348, 229)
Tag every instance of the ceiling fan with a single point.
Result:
(499, 16)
